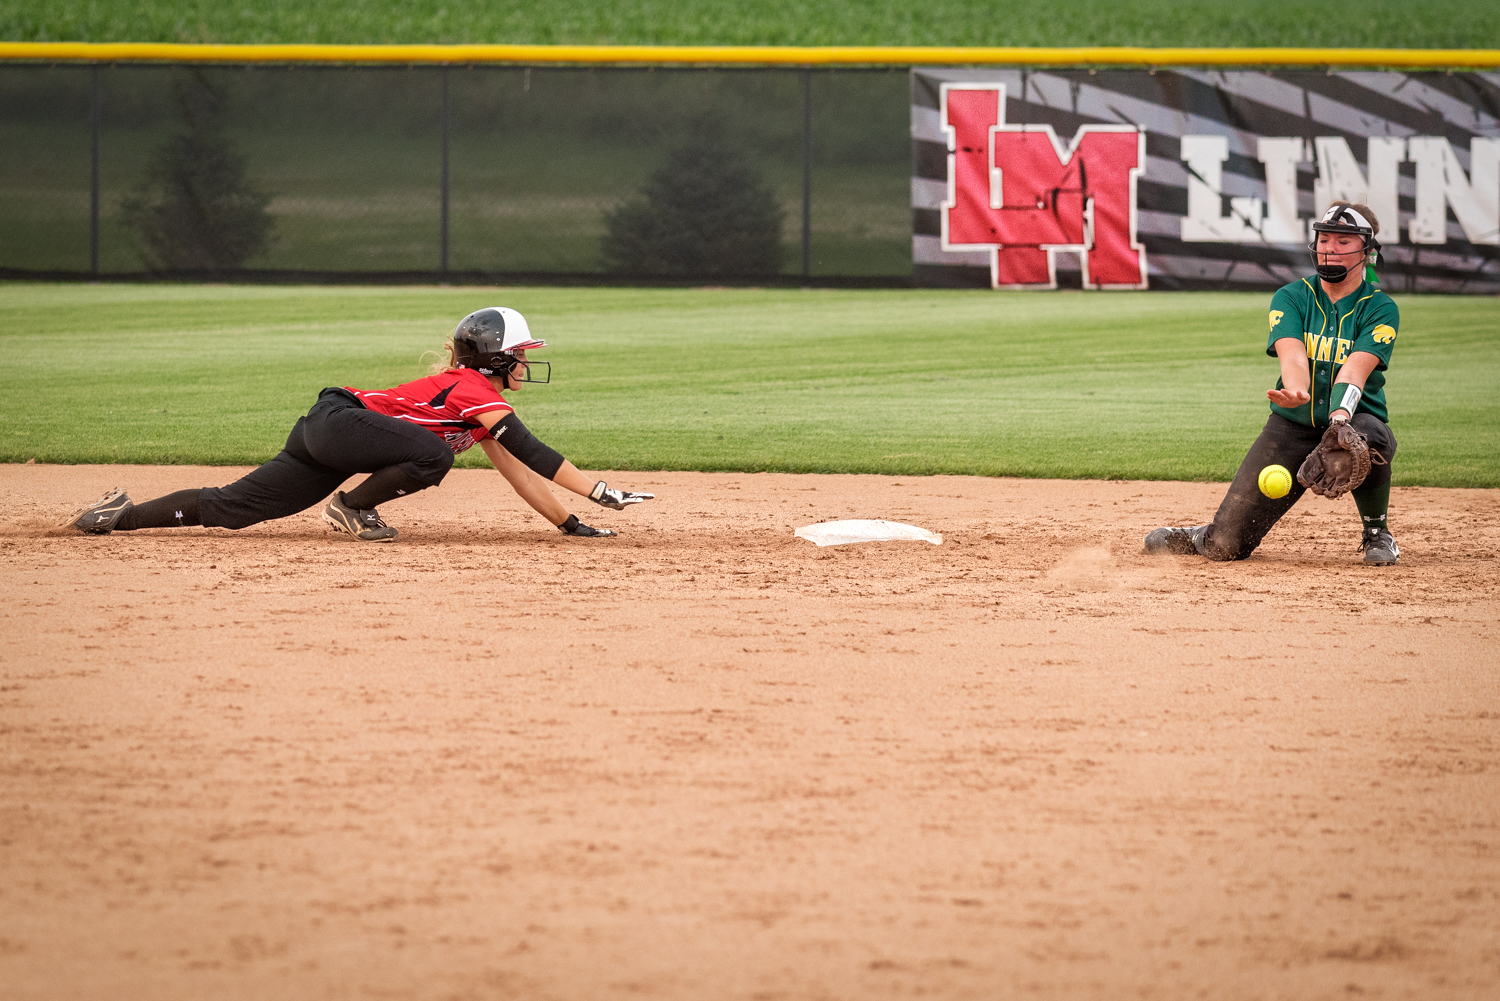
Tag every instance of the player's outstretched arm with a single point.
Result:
(1296, 380)
(598, 491)
(531, 487)
(533, 490)
(507, 430)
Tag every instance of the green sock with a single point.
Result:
(1372, 501)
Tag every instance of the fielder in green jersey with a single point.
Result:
(1333, 335)
(1364, 320)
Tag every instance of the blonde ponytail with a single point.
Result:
(438, 365)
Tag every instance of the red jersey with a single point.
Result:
(447, 404)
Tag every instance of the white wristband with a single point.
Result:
(1349, 400)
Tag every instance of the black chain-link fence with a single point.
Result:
(431, 172)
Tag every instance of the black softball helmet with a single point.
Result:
(487, 341)
(1344, 219)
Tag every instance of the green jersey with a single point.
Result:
(1364, 320)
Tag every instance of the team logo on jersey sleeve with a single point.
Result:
(459, 440)
(1384, 334)
(1276, 316)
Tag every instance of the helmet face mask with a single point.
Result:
(490, 340)
(1343, 219)
(526, 367)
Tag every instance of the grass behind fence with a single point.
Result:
(1153, 386)
(352, 161)
(1356, 23)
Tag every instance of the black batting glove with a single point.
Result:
(575, 527)
(607, 496)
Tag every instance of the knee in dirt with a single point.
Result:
(1223, 547)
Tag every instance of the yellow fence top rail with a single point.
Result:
(744, 55)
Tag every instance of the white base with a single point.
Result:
(841, 533)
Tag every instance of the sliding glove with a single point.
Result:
(607, 496)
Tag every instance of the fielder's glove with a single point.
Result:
(575, 527)
(607, 496)
(1339, 463)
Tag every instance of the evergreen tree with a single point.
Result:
(706, 212)
(195, 208)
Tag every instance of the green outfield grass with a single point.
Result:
(1432, 24)
(1141, 386)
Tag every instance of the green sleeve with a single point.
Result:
(1286, 317)
(1377, 329)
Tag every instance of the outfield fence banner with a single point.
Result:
(1198, 179)
(1006, 176)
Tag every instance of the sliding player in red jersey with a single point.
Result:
(404, 437)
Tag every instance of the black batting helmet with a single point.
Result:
(487, 339)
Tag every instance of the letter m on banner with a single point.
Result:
(1015, 191)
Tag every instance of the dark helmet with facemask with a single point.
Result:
(1342, 218)
(487, 341)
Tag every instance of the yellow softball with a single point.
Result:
(1275, 481)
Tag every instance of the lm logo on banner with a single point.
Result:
(1017, 192)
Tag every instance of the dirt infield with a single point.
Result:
(707, 760)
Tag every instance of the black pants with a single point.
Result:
(337, 439)
(1246, 515)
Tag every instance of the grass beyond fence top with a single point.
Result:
(748, 55)
(1378, 24)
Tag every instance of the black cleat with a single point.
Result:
(365, 526)
(101, 517)
(1379, 547)
(1177, 541)
(575, 527)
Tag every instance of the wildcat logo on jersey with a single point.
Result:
(1016, 191)
(1276, 316)
(1384, 334)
